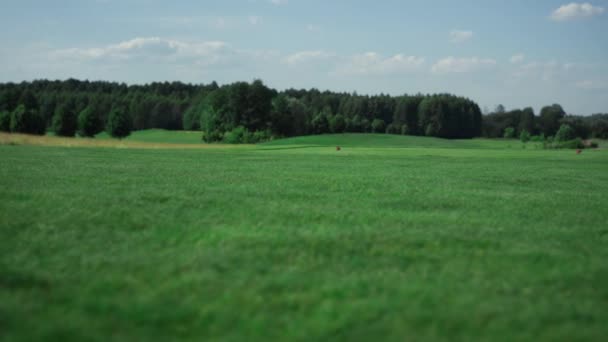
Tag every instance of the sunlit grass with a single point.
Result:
(387, 240)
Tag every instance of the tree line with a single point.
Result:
(252, 112)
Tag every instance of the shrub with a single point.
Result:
(509, 133)
(405, 130)
(213, 136)
(565, 133)
(238, 135)
(538, 138)
(261, 136)
(524, 136)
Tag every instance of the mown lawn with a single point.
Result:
(289, 242)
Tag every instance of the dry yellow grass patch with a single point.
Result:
(37, 140)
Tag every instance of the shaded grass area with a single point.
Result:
(303, 244)
(161, 136)
(389, 140)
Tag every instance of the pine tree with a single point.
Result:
(119, 123)
(65, 120)
(89, 123)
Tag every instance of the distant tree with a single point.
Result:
(527, 120)
(89, 123)
(119, 123)
(29, 100)
(25, 120)
(320, 123)
(337, 124)
(524, 136)
(65, 120)
(550, 117)
(500, 109)
(5, 121)
(564, 133)
(378, 126)
(509, 133)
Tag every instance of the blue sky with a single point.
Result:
(517, 53)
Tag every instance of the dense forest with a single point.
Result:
(252, 112)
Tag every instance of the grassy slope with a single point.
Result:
(303, 243)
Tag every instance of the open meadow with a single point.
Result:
(392, 238)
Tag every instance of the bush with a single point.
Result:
(239, 135)
(405, 130)
(509, 133)
(524, 136)
(213, 136)
(565, 133)
(538, 138)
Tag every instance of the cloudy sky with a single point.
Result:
(517, 53)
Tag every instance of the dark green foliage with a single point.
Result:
(378, 126)
(241, 135)
(393, 128)
(119, 123)
(509, 133)
(320, 123)
(5, 121)
(337, 124)
(565, 133)
(89, 123)
(65, 120)
(524, 136)
(292, 112)
(571, 144)
(28, 121)
(448, 116)
(550, 117)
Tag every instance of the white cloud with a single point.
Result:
(590, 85)
(460, 36)
(153, 49)
(461, 65)
(371, 63)
(516, 59)
(307, 56)
(576, 11)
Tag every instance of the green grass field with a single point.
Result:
(391, 239)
